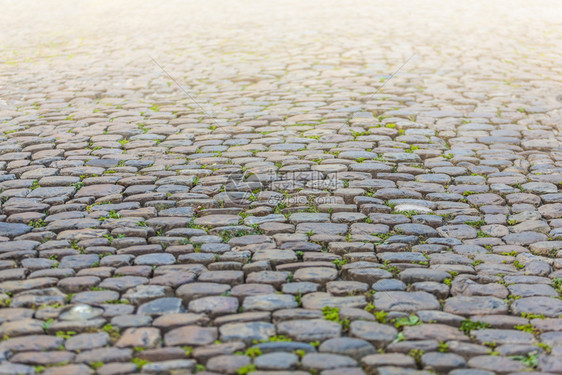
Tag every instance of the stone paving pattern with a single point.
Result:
(292, 219)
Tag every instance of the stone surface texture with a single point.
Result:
(281, 187)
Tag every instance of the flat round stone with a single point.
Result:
(309, 330)
(405, 301)
(323, 361)
(214, 306)
(276, 361)
(467, 306)
(217, 220)
(376, 333)
(161, 306)
(269, 302)
(155, 259)
(549, 307)
(191, 335)
(320, 275)
(248, 332)
(319, 300)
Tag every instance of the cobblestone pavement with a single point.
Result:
(282, 212)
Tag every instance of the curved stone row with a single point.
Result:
(303, 202)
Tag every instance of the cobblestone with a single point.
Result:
(284, 187)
